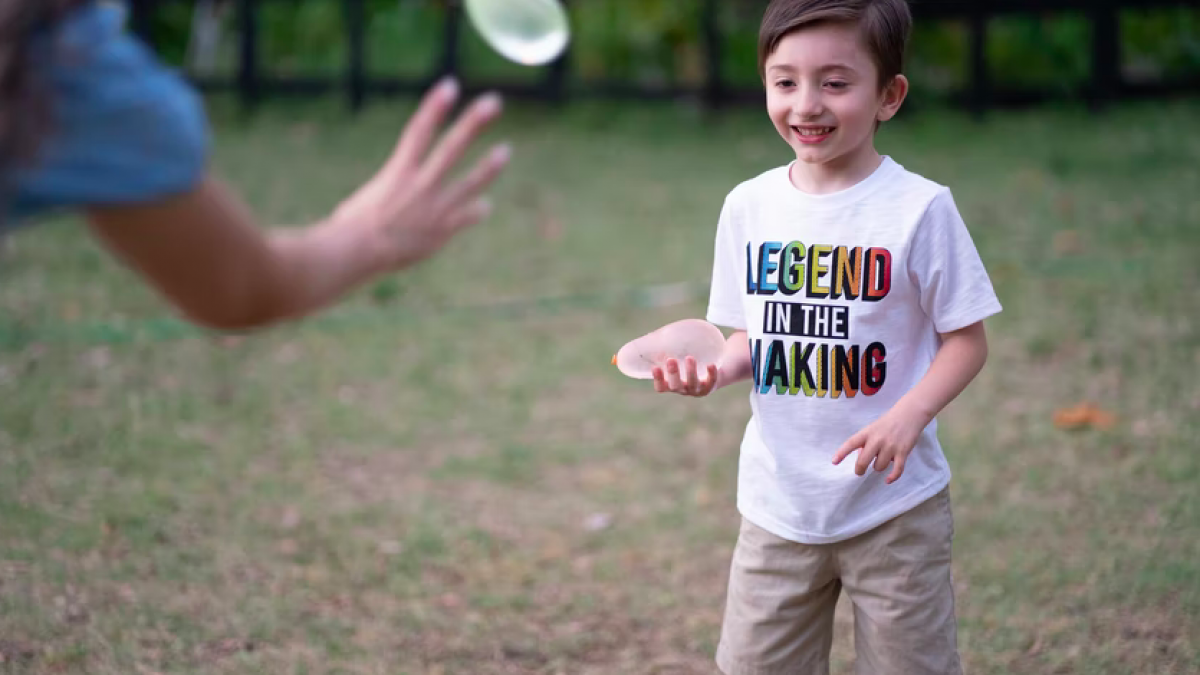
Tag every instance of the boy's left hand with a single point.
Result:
(887, 440)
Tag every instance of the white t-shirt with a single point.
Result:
(836, 343)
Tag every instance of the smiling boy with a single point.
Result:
(857, 301)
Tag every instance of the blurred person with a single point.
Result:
(92, 122)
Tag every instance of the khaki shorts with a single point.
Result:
(782, 595)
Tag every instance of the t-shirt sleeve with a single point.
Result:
(123, 127)
(954, 287)
(724, 298)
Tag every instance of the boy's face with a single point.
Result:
(823, 95)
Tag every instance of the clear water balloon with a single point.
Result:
(529, 32)
(689, 337)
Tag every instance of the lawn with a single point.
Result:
(446, 475)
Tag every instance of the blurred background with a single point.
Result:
(444, 474)
(982, 53)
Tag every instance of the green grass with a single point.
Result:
(445, 475)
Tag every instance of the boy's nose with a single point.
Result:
(807, 103)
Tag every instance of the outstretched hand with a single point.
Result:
(687, 383)
(201, 248)
(409, 209)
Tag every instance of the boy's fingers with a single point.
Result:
(660, 384)
(897, 469)
(883, 459)
(673, 375)
(853, 443)
(690, 373)
(711, 382)
(865, 456)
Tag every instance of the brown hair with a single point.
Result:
(25, 109)
(885, 26)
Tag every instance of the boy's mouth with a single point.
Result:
(812, 134)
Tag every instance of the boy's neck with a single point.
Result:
(841, 174)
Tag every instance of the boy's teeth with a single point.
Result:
(814, 132)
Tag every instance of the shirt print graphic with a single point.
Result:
(797, 353)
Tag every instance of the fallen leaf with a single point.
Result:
(1082, 416)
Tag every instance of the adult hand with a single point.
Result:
(410, 209)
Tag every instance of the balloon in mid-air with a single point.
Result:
(529, 32)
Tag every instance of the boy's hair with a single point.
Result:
(885, 26)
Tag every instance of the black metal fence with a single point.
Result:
(1104, 84)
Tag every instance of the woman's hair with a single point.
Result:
(24, 107)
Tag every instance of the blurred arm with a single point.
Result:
(203, 251)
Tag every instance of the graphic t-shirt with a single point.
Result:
(123, 127)
(843, 297)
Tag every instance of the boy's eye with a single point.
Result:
(837, 84)
(783, 83)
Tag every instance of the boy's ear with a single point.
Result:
(893, 96)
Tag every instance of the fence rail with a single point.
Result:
(980, 94)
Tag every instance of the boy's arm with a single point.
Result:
(958, 361)
(735, 360)
(890, 438)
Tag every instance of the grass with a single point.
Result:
(445, 475)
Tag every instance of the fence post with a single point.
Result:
(248, 84)
(554, 87)
(355, 61)
(450, 30)
(714, 90)
(1106, 52)
(141, 19)
(979, 88)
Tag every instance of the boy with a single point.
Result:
(857, 300)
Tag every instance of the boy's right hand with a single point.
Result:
(687, 383)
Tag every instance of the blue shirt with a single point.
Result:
(124, 127)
